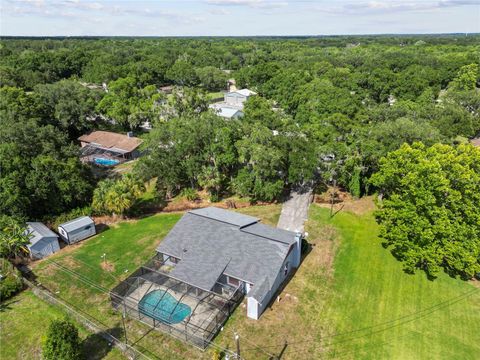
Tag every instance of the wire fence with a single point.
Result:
(87, 321)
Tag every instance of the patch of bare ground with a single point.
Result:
(107, 266)
(343, 201)
(475, 283)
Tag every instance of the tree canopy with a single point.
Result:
(429, 217)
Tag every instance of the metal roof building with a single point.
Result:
(43, 241)
(77, 229)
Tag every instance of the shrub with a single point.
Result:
(11, 281)
(189, 194)
(216, 355)
(62, 341)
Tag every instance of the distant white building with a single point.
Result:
(232, 106)
(238, 97)
(226, 111)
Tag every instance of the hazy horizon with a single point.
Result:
(236, 18)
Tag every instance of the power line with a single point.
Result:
(426, 311)
(106, 291)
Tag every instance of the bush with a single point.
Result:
(11, 281)
(214, 198)
(189, 194)
(62, 341)
(83, 211)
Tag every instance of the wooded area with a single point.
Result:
(328, 110)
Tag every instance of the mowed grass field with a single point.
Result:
(380, 312)
(24, 320)
(349, 299)
(79, 276)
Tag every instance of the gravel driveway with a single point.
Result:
(295, 210)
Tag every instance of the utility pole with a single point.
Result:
(237, 342)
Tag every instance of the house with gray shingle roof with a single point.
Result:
(210, 246)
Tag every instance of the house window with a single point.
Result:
(285, 270)
(88, 227)
(233, 281)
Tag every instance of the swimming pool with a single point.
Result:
(106, 162)
(164, 307)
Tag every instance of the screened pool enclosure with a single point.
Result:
(175, 307)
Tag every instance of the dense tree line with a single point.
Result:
(328, 108)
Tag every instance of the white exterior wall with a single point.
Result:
(252, 308)
(234, 98)
(78, 234)
(280, 278)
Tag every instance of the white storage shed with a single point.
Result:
(77, 229)
(43, 241)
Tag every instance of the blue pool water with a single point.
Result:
(106, 162)
(164, 307)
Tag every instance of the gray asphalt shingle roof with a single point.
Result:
(204, 272)
(229, 217)
(77, 223)
(208, 239)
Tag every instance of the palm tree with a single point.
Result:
(14, 239)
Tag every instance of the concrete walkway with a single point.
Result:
(295, 210)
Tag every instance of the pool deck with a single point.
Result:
(202, 312)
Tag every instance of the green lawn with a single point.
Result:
(349, 299)
(23, 321)
(127, 245)
(384, 313)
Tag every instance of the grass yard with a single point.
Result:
(349, 299)
(387, 314)
(23, 321)
(127, 245)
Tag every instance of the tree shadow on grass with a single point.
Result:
(5, 305)
(95, 347)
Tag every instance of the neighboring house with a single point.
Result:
(475, 142)
(43, 241)
(111, 145)
(238, 97)
(77, 229)
(226, 111)
(212, 244)
(232, 106)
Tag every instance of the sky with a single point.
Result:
(236, 17)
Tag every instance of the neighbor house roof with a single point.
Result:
(475, 142)
(246, 92)
(38, 232)
(111, 141)
(213, 241)
(76, 223)
(226, 111)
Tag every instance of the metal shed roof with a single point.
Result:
(39, 231)
(76, 223)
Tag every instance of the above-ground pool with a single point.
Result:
(164, 307)
(106, 162)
